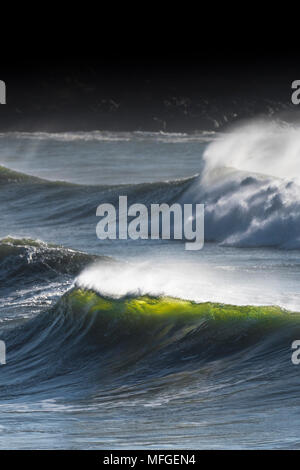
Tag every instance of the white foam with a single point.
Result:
(200, 282)
(251, 187)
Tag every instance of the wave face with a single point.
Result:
(138, 357)
(141, 338)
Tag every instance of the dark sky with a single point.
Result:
(184, 41)
(62, 76)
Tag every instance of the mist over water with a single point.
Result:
(269, 148)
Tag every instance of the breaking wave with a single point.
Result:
(89, 342)
(250, 187)
(247, 180)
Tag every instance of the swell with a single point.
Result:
(87, 343)
(243, 209)
(30, 260)
(69, 201)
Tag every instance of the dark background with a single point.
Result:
(185, 71)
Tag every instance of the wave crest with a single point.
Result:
(26, 258)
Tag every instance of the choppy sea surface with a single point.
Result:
(121, 344)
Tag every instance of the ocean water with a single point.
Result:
(141, 344)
